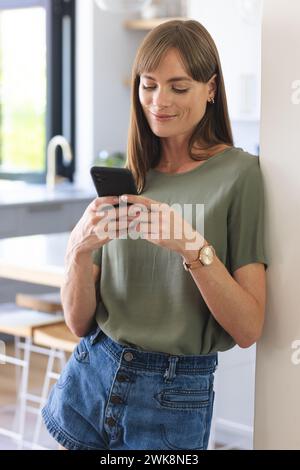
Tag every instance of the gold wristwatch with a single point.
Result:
(206, 257)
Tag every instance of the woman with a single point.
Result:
(154, 320)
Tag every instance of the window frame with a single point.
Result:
(60, 102)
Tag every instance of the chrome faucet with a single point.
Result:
(58, 140)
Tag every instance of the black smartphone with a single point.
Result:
(113, 181)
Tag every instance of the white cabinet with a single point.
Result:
(51, 218)
(44, 218)
(39, 218)
(9, 221)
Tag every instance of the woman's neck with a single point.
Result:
(172, 160)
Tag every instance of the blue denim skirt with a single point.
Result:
(114, 397)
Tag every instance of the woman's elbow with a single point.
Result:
(76, 329)
(248, 340)
(254, 333)
(246, 343)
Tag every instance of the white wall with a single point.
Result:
(238, 39)
(277, 404)
(115, 49)
(237, 34)
(105, 53)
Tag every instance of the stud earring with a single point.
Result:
(212, 101)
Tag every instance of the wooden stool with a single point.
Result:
(49, 303)
(59, 339)
(21, 323)
(57, 336)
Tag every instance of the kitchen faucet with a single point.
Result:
(51, 158)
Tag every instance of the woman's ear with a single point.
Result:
(212, 84)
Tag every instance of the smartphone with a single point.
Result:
(113, 181)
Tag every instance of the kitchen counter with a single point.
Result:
(38, 259)
(19, 193)
(32, 210)
(29, 209)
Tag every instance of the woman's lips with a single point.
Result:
(163, 117)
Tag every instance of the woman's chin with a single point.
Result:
(163, 133)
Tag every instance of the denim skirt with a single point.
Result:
(114, 397)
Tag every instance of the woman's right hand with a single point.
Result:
(88, 235)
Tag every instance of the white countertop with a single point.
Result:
(20, 193)
(37, 259)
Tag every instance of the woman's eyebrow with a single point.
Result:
(174, 79)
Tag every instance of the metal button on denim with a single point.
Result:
(110, 421)
(128, 356)
(116, 399)
(123, 378)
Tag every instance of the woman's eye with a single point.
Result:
(177, 90)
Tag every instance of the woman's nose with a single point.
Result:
(161, 98)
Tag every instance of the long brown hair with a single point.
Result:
(201, 60)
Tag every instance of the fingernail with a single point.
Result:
(123, 198)
(101, 214)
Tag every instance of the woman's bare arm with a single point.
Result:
(80, 290)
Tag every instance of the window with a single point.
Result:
(37, 69)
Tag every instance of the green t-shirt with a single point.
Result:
(148, 300)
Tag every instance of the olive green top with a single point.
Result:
(148, 299)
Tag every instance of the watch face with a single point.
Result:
(207, 255)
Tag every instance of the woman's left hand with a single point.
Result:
(161, 225)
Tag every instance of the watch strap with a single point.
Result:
(193, 264)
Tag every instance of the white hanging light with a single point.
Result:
(122, 6)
